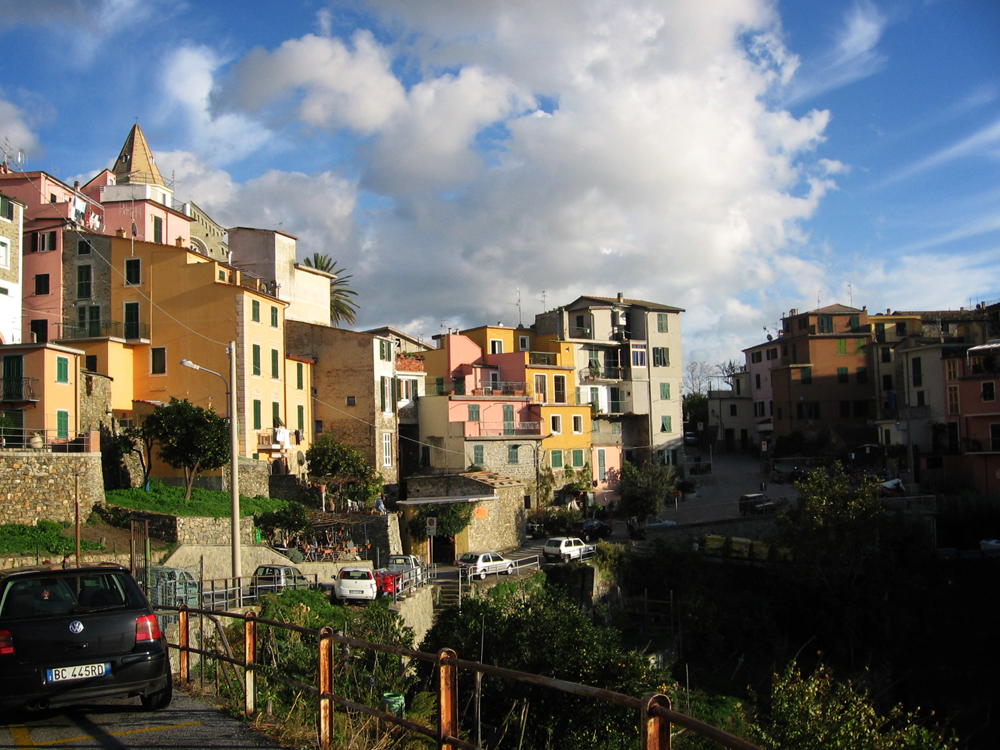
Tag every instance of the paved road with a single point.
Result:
(118, 725)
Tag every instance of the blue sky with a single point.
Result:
(737, 158)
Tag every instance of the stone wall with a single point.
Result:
(41, 485)
(182, 529)
(417, 611)
(498, 524)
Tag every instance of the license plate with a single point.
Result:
(357, 591)
(80, 672)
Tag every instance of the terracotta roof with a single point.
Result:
(627, 301)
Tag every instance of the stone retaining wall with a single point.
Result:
(181, 529)
(417, 611)
(36, 484)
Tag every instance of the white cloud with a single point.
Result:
(985, 142)
(17, 129)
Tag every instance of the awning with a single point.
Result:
(446, 500)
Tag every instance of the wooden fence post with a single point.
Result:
(250, 656)
(325, 687)
(655, 729)
(447, 697)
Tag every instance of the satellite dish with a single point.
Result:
(300, 457)
(770, 337)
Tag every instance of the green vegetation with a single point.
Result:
(451, 519)
(47, 537)
(344, 471)
(162, 498)
(189, 438)
(645, 489)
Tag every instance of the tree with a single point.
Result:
(646, 489)
(342, 307)
(697, 377)
(189, 438)
(137, 439)
(695, 407)
(344, 469)
(728, 371)
(818, 713)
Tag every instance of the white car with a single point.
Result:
(481, 564)
(566, 548)
(355, 583)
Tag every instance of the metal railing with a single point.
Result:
(105, 329)
(18, 389)
(656, 714)
(499, 429)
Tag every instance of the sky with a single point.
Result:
(475, 163)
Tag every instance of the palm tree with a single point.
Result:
(342, 307)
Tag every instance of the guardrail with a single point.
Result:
(656, 714)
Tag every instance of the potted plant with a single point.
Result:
(35, 440)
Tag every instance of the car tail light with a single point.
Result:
(147, 628)
(6, 642)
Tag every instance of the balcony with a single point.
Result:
(502, 429)
(589, 374)
(106, 329)
(541, 358)
(494, 388)
(18, 390)
(578, 332)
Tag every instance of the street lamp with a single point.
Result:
(234, 465)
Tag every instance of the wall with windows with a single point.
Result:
(11, 220)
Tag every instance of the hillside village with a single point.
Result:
(106, 287)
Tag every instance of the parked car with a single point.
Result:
(756, 504)
(637, 528)
(355, 582)
(409, 567)
(272, 579)
(565, 548)
(534, 529)
(592, 528)
(690, 438)
(481, 564)
(78, 634)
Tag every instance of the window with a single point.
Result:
(577, 424)
(556, 422)
(158, 364)
(512, 453)
(995, 437)
(4, 253)
(602, 466)
(496, 346)
(664, 391)
(559, 388)
(350, 401)
(841, 374)
(83, 285)
(662, 323)
(6, 208)
(385, 350)
(157, 229)
(886, 354)
(756, 357)
(841, 346)
(299, 376)
(275, 372)
(901, 328)
(953, 404)
(862, 374)
(638, 355)
(300, 417)
(666, 424)
(274, 316)
(477, 455)
(62, 369)
(855, 322)
(407, 389)
(43, 242)
(989, 391)
(556, 460)
(62, 424)
(90, 362)
(732, 409)
(387, 449)
(523, 343)
(256, 359)
(921, 398)
(132, 327)
(916, 372)
(616, 428)
(661, 356)
(806, 375)
(845, 409)
(756, 381)
(859, 346)
(318, 430)
(860, 408)
(825, 324)
(41, 283)
(951, 367)
(133, 271)
(83, 247)
(255, 310)
(256, 413)
(772, 353)
(473, 412)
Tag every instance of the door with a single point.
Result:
(541, 388)
(131, 320)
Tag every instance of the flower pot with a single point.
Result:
(35, 441)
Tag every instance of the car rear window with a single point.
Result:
(355, 575)
(64, 593)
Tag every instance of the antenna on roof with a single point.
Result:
(850, 295)
(520, 324)
(544, 308)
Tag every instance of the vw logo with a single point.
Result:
(76, 626)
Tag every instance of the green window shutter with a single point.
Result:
(577, 458)
(157, 229)
(557, 459)
(62, 369)
(807, 375)
(859, 346)
(664, 391)
(256, 359)
(666, 425)
(274, 364)
(62, 424)
(300, 417)
(255, 311)
(274, 316)
(477, 455)
(662, 324)
(473, 412)
(299, 376)
(666, 356)
(512, 454)
(256, 414)
(382, 392)
(275, 414)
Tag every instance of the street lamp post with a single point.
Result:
(234, 465)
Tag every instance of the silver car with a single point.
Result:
(481, 564)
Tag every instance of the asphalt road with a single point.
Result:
(122, 724)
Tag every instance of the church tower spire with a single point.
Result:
(135, 164)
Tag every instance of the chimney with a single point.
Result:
(621, 297)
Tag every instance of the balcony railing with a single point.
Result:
(18, 389)
(602, 373)
(578, 332)
(464, 388)
(502, 429)
(541, 358)
(105, 329)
